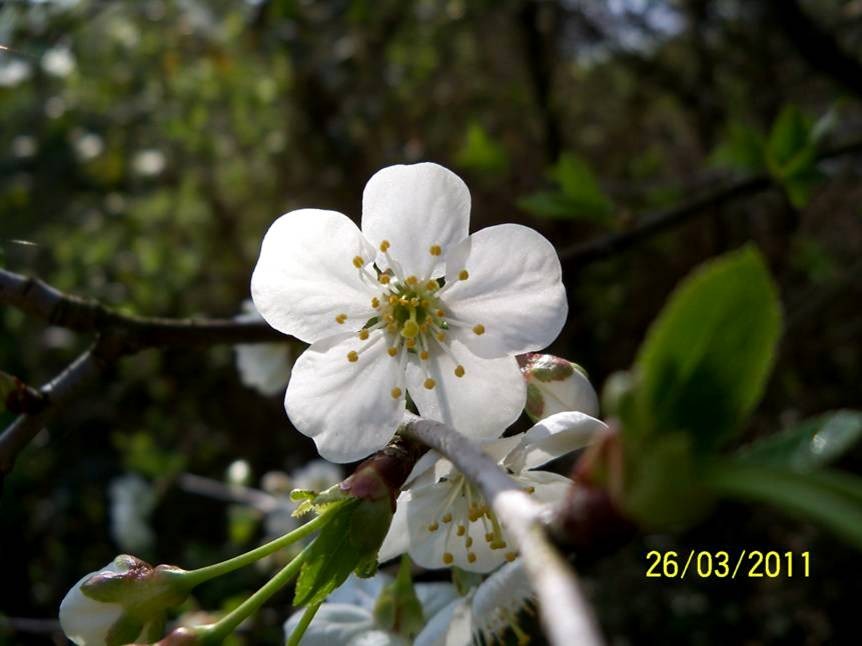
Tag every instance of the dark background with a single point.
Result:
(146, 146)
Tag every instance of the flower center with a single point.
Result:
(412, 314)
(478, 521)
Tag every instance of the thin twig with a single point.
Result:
(57, 393)
(651, 224)
(45, 302)
(565, 612)
(210, 488)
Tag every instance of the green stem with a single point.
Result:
(217, 632)
(195, 577)
(302, 626)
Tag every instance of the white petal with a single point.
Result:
(554, 437)
(397, 540)
(499, 598)
(452, 626)
(334, 623)
(264, 366)
(415, 207)
(377, 637)
(514, 290)
(305, 275)
(346, 407)
(549, 488)
(85, 621)
(481, 404)
(434, 596)
(357, 591)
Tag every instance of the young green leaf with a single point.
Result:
(813, 443)
(829, 498)
(579, 197)
(706, 359)
(481, 153)
(788, 139)
(743, 148)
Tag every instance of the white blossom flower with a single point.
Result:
(443, 520)
(555, 385)
(410, 303)
(13, 72)
(132, 502)
(120, 602)
(348, 618)
(263, 366)
(484, 614)
(148, 163)
(58, 61)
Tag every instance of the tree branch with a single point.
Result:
(654, 223)
(37, 298)
(565, 612)
(56, 394)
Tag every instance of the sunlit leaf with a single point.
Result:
(813, 443)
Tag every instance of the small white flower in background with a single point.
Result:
(555, 385)
(484, 614)
(87, 145)
(411, 303)
(58, 61)
(317, 475)
(238, 473)
(148, 163)
(13, 72)
(24, 146)
(132, 502)
(263, 366)
(443, 520)
(120, 602)
(348, 617)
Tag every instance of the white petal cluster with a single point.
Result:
(408, 304)
(443, 520)
(347, 618)
(85, 621)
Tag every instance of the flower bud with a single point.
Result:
(122, 602)
(556, 385)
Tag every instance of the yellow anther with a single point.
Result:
(448, 558)
(429, 383)
(460, 530)
(459, 370)
(341, 318)
(474, 514)
(410, 343)
(439, 313)
(384, 246)
(469, 541)
(383, 278)
(530, 489)
(363, 335)
(410, 329)
(358, 262)
(489, 537)
(375, 302)
(433, 527)
(478, 329)
(423, 355)
(471, 558)
(395, 392)
(431, 285)
(447, 518)
(414, 302)
(411, 280)
(441, 336)
(392, 351)
(463, 274)
(352, 356)
(393, 300)
(392, 326)
(499, 544)
(511, 556)
(424, 303)
(435, 250)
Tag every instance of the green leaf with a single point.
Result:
(789, 136)
(829, 498)
(481, 153)
(706, 358)
(813, 443)
(743, 148)
(329, 562)
(580, 197)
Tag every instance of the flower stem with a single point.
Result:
(195, 577)
(217, 632)
(302, 626)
